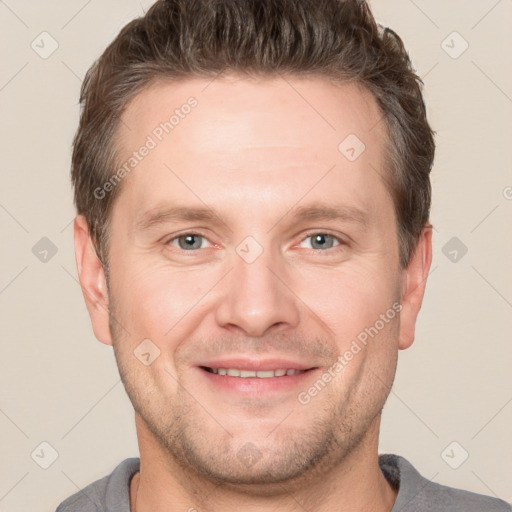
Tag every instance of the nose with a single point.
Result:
(257, 298)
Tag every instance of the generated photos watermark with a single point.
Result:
(305, 397)
(152, 140)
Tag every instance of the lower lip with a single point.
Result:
(255, 385)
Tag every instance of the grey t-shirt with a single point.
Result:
(415, 493)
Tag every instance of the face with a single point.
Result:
(254, 282)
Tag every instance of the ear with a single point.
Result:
(414, 281)
(92, 280)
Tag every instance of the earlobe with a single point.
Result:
(414, 281)
(92, 280)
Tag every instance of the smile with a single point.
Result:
(259, 374)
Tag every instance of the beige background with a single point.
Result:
(59, 385)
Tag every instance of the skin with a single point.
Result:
(253, 151)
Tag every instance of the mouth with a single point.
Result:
(258, 374)
(251, 377)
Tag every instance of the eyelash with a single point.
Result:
(307, 235)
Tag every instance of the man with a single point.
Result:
(253, 239)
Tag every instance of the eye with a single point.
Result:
(320, 241)
(188, 241)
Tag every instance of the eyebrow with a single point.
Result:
(319, 212)
(177, 213)
(351, 214)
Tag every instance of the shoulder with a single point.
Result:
(417, 493)
(108, 493)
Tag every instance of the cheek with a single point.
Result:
(153, 300)
(159, 305)
(348, 299)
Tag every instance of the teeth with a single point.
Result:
(261, 374)
(265, 374)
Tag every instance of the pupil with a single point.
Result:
(190, 242)
(321, 241)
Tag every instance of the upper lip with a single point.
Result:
(256, 364)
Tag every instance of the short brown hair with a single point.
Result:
(180, 39)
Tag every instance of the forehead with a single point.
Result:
(259, 105)
(231, 136)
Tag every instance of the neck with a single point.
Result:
(355, 483)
